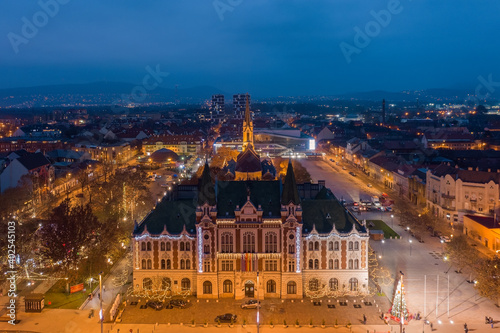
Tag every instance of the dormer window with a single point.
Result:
(328, 216)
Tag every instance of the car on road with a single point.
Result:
(355, 208)
(250, 304)
(445, 239)
(369, 185)
(352, 174)
(155, 305)
(226, 318)
(178, 303)
(344, 168)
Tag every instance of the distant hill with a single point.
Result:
(98, 93)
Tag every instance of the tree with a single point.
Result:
(399, 309)
(70, 233)
(461, 253)
(488, 279)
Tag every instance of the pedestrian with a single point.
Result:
(491, 321)
(103, 288)
(364, 319)
(432, 329)
(99, 295)
(465, 328)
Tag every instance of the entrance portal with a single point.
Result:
(249, 289)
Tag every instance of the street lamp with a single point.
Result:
(101, 314)
(392, 220)
(410, 241)
(383, 242)
(258, 303)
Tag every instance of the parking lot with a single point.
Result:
(272, 310)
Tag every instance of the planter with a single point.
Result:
(323, 326)
(297, 326)
(271, 326)
(336, 326)
(285, 326)
(205, 325)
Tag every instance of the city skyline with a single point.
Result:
(265, 48)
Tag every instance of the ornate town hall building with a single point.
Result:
(251, 238)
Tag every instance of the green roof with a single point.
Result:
(264, 193)
(173, 214)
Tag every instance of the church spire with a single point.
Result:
(206, 189)
(247, 126)
(290, 193)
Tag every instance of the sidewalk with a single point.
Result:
(110, 289)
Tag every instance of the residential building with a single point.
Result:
(485, 230)
(183, 145)
(453, 192)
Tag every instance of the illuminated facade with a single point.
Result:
(212, 239)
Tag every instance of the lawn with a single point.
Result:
(57, 298)
(380, 225)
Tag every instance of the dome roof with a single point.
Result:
(164, 155)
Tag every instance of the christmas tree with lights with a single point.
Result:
(399, 310)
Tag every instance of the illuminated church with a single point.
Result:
(251, 237)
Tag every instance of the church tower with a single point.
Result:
(247, 127)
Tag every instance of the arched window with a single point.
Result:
(350, 264)
(168, 246)
(336, 264)
(291, 249)
(206, 249)
(271, 242)
(163, 263)
(207, 287)
(143, 263)
(356, 246)
(185, 284)
(143, 246)
(316, 246)
(227, 243)
(150, 264)
(330, 246)
(169, 264)
(147, 284)
(310, 264)
(271, 286)
(350, 246)
(333, 284)
(149, 246)
(291, 288)
(166, 284)
(336, 246)
(316, 264)
(183, 264)
(162, 246)
(330, 264)
(227, 286)
(311, 246)
(353, 284)
(181, 246)
(313, 285)
(249, 242)
(188, 264)
(188, 246)
(356, 264)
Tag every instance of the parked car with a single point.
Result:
(178, 303)
(445, 239)
(344, 168)
(250, 304)
(369, 185)
(352, 174)
(226, 318)
(355, 208)
(155, 305)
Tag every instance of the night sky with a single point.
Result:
(265, 47)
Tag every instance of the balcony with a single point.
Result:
(447, 196)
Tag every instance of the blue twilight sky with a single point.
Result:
(265, 47)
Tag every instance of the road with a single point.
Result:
(432, 286)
